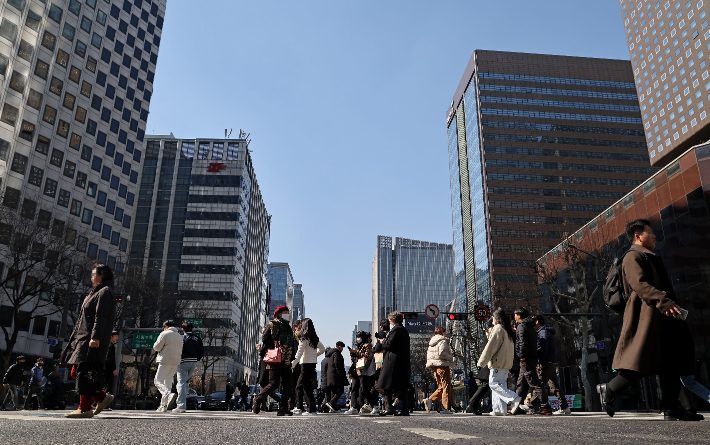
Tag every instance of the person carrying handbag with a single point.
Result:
(278, 341)
(88, 345)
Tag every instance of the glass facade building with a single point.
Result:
(281, 287)
(669, 43)
(538, 145)
(409, 275)
(677, 202)
(77, 86)
(202, 229)
(299, 305)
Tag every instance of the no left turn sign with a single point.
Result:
(432, 311)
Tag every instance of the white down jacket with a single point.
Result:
(439, 352)
(169, 347)
(306, 353)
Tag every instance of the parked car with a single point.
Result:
(215, 401)
(192, 399)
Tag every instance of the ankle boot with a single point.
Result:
(607, 398)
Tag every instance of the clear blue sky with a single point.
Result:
(345, 103)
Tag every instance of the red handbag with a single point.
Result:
(273, 355)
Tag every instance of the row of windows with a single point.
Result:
(562, 116)
(562, 80)
(215, 181)
(558, 92)
(548, 206)
(210, 250)
(563, 179)
(502, 262)
(520, 278)
(211, 233)
(515, 233)
(213, 216)
(556, 192)
(564, 128)
(577, 167)
(565, 153)
(215, 199)
(529, 219)
(213, 269)
(563, 140)
(558, 103)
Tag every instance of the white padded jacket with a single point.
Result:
(306, 353)
(169, 347)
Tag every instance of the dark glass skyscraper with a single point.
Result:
(538, 145)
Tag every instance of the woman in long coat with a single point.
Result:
(396, 366)
(89, 342)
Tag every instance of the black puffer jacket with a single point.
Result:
(192, 348)
(526, 339)
(14, 374)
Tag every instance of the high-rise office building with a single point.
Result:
(667, 42)
(362, 326)
(299, 304)
(408, 275)
(281, 287)
(538, 145)
(78, 84)
(203, 230)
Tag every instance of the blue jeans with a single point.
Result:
(184, 372)
(690, 383)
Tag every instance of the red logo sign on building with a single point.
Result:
(216, 167)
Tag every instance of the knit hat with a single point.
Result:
(280, 309)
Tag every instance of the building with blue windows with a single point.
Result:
(78, 81)
(281, 288)
(538, 145)
(408, 275)
(202, 229)
(299, 304)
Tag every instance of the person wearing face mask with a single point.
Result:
(396, 367)
(35, 386)
(366, 372)
(278, 330)
(309, 349)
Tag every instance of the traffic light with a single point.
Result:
(458, 316)
(410, 315)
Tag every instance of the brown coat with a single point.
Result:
(640, 346)
(95, 321)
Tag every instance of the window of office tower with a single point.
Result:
(188, 149)
(232, 151)
(217, 150)
(203, 150)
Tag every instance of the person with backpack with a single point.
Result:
(192, 351)
(526, 348)
(11, 380)
(653, 341)
(547, 363)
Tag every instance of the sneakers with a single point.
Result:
(493, 413)
(446, 411)
(525, 408)
(162, 409)
(102, 404)
(375, 411)
(297, 411)
(562, 412)
(79, 414)
(429, 405)
(366, 409)
(306, 413)
(179, 410)
(172, 398)
(351, 411)
(515, 407)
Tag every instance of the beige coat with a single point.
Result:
(439, 353)
(498, 353)
(169, 347)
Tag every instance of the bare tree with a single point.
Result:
(44, 260)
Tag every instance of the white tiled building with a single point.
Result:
(202, 227)
(77, 83)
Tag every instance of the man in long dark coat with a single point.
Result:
(652, 340)
(396, 366)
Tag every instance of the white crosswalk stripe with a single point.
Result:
(433, 433)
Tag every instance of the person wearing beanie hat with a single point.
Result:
(278, 330)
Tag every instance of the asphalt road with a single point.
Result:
(141, 427)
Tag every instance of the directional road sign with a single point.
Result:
(432, 311)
